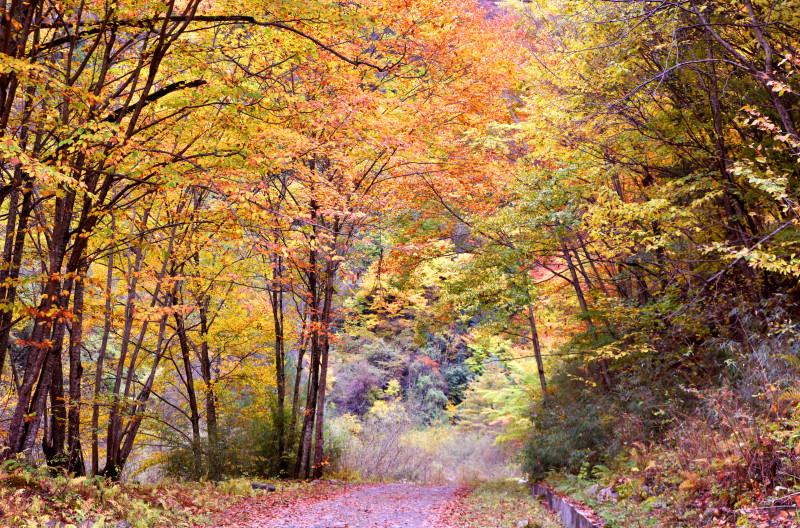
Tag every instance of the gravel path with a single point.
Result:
(364, 506)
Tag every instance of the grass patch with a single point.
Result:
(500, 505)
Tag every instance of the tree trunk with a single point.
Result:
(597, 275)
(214, 462)
(537, 352)
(301, 352)
(137, 412)
(115, 451)
(44, 344)
(306, 433)
(101, 356)
(302, 469)
(194, 413)
(585, 311)
(276, 299)
(319, 440)
(75, 462)
(319, 436)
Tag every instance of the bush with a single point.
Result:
(245, 449)
(733, 436)
(388, 444)
(567, 435)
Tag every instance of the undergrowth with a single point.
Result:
(715, 443)
(501, 504)
(31, 497)
(389, 445)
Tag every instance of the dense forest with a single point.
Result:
(407, 240)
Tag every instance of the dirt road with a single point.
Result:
(359, 506)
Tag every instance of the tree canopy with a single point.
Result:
(554, 224)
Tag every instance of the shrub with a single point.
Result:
(388, 444)
(567, 435)
(246, 448)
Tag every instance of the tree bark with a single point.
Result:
(302, 468)
(301, 352)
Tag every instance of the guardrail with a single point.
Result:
(571, 516)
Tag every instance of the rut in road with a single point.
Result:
(362, 506)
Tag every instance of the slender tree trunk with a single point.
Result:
(582, 270)
(75, 462)
(137, 412)
(577, 287)
(276, 299)
(53, 444)
(306, 434)
(194, 413)
(537, 351)
(597, 275)
(115, 430)
(319, 435)
(535, 345)
(302, 467)
(101, 356)
(120, 405)
(585, 311)
(301, 352)
(319, 439)
(214, 462)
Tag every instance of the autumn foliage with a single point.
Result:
(186, 189)
(287, 238)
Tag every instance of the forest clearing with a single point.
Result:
(399, 260)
